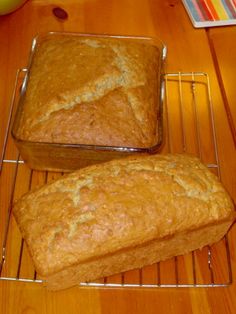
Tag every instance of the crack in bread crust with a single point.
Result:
(95, 69)
(93, 90)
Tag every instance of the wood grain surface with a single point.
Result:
(212, 51)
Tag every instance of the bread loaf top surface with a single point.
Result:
(116, 205)
(96, 91)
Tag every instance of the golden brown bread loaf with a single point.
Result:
(98, 91)
(120, 215)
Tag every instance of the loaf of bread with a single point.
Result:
(96, 91)
(120, 215)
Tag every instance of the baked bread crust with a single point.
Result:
(121, 205)
(92, 91)
(136, 257)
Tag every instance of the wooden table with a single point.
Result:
(212, 51)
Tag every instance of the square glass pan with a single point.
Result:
(68, 157)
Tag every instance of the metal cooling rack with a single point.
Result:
(187, 105)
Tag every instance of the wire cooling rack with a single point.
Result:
(188, 127)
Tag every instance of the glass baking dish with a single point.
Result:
(67, 156)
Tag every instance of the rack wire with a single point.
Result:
(189, 126)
